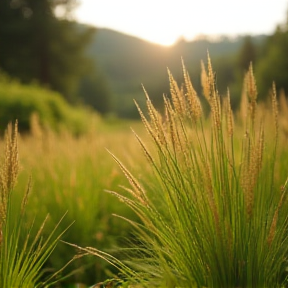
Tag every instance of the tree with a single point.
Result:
(273, 65)
(247, 54)
(93, 91)
(37, 45)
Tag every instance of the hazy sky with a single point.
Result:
(165, 21)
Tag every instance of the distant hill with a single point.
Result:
(127, 61)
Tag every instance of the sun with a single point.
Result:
(165, 21)
(148, 21)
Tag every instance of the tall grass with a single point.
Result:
(70, 175)
(21, 255)
(214, 210)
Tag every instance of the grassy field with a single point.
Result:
(208, 194)
(69, 176)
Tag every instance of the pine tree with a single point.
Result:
(35, 45)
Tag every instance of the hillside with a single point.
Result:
(127, 61)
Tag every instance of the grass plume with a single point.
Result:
(212, 214)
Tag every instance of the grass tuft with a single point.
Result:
(21, 255)
(214, 212)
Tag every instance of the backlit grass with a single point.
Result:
(205, 196)
(214, 208)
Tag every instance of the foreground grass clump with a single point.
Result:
(22, 255)
(214, 210)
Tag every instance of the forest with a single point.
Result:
(105, 70)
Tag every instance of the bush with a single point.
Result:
(19, 101)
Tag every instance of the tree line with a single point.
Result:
(40, 43)
(269, 60)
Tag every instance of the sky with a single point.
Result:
(165, 21)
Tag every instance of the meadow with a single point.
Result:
(201, 195)
(69, 176)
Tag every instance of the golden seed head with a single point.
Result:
(251, 84)
(176, 95)
(9, 171)
(205, 82)
(194, 109)
(251, 90)
(229, 114)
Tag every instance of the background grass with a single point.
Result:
(70, 174)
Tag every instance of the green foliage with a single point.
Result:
(273, 65)
(20, 102)
(247, 54)
(93, 91)
(36, 45)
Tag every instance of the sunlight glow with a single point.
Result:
(164, 21)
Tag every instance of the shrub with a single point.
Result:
(19, 101)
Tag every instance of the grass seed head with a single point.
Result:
(205, 82)
(194, 109)
(251, 90)
(229, 115)
(176, 95)
(9, 170)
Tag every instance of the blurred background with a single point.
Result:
(98, 53)
(69, 71)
